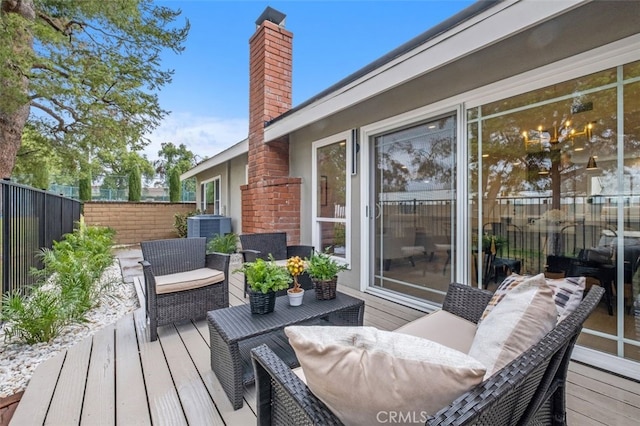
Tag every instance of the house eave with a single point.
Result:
(230, 153)
(466, 35)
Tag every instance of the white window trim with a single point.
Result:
(315, 234)
(203, 195)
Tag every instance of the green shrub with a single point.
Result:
(36, 318)
(135, 184)
(84, 189)
(68, 286)
(180, 222)
(223, 243)
(174, 186)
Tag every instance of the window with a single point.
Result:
(210, 196)
(331, 196)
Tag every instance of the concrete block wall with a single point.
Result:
(136, 222)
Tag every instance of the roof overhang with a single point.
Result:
(230, 153)
(501, 21)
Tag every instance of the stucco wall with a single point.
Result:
(136, 222)
(232, 174)
(237, 176)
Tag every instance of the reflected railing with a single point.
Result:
(528, 228)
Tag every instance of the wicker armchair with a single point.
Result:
(182, 282)
(262, 245)
(529, 390)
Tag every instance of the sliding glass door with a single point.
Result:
(414, 199)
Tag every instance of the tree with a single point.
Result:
(116, 167)
(135, 184)
(174, 186)
(174, 157)
(89, 68)
(84, 187)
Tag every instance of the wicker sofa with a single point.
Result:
(528, 390)
(182, 282)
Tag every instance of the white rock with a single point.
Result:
(19, 360)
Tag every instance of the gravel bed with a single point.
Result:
(18, 361)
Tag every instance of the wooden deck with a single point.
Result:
(119, 377)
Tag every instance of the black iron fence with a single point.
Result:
(30, 219)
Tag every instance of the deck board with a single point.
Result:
(198, 347)
(34, 404)
(99, 400)
(164, 403)
(170, 382)
(196, 401)
(131, 396)
(66, 404)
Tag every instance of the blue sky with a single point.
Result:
(208, 97)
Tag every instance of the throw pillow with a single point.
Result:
(567, 292)
(442, 327)
(362, 373)
(524, 316)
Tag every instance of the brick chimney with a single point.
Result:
(271, 198)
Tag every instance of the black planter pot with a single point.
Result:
(262, 303)
(325, 290)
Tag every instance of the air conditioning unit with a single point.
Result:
(208, 225)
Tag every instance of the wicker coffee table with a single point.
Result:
(235, 331)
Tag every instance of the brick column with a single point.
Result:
(271, 199)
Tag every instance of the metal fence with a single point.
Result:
(106, 194)
(30, 219)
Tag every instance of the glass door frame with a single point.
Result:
(368, 209)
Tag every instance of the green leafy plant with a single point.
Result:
(265, 276)
(67, 286)
(180, 222)
(223, 243)
(38, 318)
(322, 266)
(497, 240)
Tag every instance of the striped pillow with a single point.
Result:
(567, 292)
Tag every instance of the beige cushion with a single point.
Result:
(522, 318)
(187, 280)
(443, 327)
(567, 293)
(412, 250)
(359, 372)
(298, 372)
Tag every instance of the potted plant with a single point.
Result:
(264, 279)
(223, 243)
(493, 243)
(323, 270)
(295, 266)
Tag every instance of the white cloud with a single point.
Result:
(204, 136)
